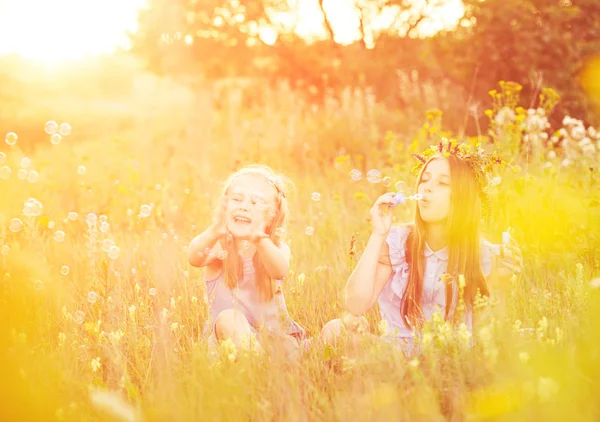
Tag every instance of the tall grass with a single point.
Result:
(130, 320)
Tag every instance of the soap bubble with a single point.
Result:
(145, 211)
(113, 252)
(59, 236)
(72, 216)
(387, 180)
(2, 157)
(400, 186)
(25, 162)
(374, 176)
(5, 250)
(22, 174)
(65, 129)
(315, 196)
(32, 207)
(79, 317)
(5, 172)
(107, 244)
(81, 170)
(152, 291)
(11, 138)
(309, 231)
(15, 225)
(55, 139)
(32, 176)
(355, 175)
(92, 297)
(38, 284)
(104, 227)
(64, 270)
(51, 127)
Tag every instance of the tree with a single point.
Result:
(533, 42)
(252, 38)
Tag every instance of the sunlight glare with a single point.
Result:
(54, 31)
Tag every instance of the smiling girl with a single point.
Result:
(246, 261)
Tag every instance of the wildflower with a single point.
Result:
(95, 364)
(116, 336)
(547, 388)
(524, 357)
(230, 349)
(382, 326)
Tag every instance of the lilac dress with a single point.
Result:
(434, 291)
(271, 316)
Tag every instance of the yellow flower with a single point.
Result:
(95, 364)
(547, 388)
(116, 336)
(361, 195)
(461, 281)
(524, 357)
(382, 327)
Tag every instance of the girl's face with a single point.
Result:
(435, 187)
(249, 205)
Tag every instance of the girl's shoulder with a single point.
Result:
(398, 234)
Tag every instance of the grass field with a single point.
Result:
(97, 296)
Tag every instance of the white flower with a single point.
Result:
(495, 181)
(592, 132)
(578, 133)
(505, 115)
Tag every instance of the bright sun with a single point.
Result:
(55, 31)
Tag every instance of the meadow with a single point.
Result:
(102, 316)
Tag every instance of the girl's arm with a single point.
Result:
(275, 258)
(370, 275)
(374, 268)
(208, 239)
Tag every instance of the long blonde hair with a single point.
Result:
(464, 244)
(232, 264)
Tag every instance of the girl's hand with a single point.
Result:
(260, 223)
(510, 260)
(219, 225)
(381, 215)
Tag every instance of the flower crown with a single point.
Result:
(479, 160)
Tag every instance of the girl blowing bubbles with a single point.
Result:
(246, 261)
(413, 270)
